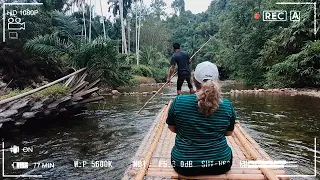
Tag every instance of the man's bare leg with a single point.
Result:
(188, 78)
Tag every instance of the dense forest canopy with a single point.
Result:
(264, 53)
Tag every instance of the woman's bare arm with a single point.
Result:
(228, 133)
(172, 128)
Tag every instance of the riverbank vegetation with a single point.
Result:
(135, 45)
(56, 91)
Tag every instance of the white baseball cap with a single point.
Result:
(206, 71)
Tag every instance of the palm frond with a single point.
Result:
(67, 26)
(48, 45)
(99, 49)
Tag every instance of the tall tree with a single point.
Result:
(139, 32)
(103, 23)
(81, 4)
(129, 33)
(115, 6)
(178, 6)
(84, 20)
(59, 5)
(123, 31)
(137, 49)
(158, 7)
(137, 12)
(155, 35)
(90, 21)
(121, 6)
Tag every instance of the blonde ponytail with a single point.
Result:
(209, 97)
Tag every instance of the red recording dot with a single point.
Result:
(256, 15)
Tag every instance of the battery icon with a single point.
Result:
(20, 165)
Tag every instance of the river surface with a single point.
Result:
(285, 126)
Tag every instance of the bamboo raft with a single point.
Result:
(152, 160)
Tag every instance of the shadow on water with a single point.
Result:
(285, 126)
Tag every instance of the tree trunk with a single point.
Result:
(84, 22)
(118, 45)
(103, 25)
(72, 9)
(139, 29)
(137, 51)
(90, 21)
(129, 31)
(82, 31)
(123, 31)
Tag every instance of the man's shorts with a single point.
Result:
(181, 79)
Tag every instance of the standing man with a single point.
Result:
(183, 61)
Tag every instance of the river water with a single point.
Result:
(285, 126)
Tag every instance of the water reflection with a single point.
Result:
(283, 125)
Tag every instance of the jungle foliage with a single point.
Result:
(269, 54)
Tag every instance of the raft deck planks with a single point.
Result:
(155, 151)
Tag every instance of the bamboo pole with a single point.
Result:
(156, 93)
(253, 142)
(253, 154)
(7, 84)
(39, 88)
(140, 175)
(200, 48)
(270, 175)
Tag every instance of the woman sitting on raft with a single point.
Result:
(201, 121)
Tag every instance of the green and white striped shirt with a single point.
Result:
(199, 138)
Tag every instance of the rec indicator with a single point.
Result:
(278, 15)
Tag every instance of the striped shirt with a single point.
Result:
(200, 139)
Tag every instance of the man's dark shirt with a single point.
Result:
(182, 59)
